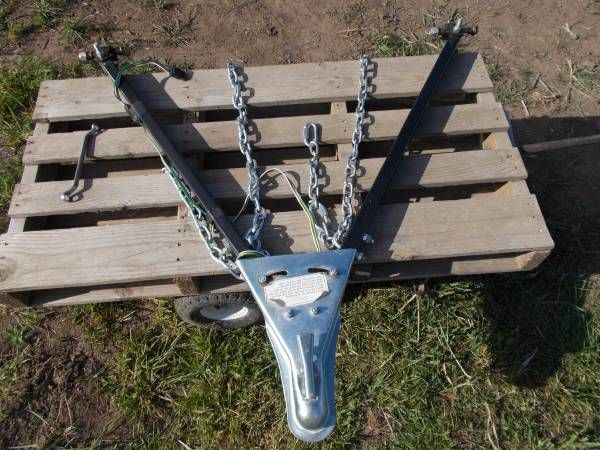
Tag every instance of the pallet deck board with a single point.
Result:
(91, 98)
(459, 205)
(172, 248)
(393, 271)
(273, 133)
(157, 190)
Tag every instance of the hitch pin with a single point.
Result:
(67, 196)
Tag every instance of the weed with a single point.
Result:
(48, 11)
(175, 31)
(157, 4)
(587, 80)
(353, 13)
(512, 91)
(387, 45)
(6, 8)
(16, 336)
(18, 87)
(17, 29)
(74, 30)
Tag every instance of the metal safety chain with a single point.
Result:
(335, 238)
(239, 103)
(222, 253)
(218, 252)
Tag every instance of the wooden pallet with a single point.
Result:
(458, 206)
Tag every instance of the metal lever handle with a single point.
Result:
(67, 196)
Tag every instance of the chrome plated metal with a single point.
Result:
(69, 194)
(334, 238)
(302, 321)
(235, 74)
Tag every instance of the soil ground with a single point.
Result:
(59, 366)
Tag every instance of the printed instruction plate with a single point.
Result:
(297, 290)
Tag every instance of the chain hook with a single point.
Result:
(310, 133)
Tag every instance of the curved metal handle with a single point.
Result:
(67, 196)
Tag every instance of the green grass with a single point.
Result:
(48, 11)
(18, 88)
(494, 359)
(175, 31)
(587, 80)
(74, 30)
(16, 338)
(388, 45)
(6, 8)
(157, 4)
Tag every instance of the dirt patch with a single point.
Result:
(58, 396)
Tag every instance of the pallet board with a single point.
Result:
(459, 205)
(268, 85)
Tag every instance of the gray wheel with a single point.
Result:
(219, 311)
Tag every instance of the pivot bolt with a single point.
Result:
(333, 272)
(368, 239)
(315, 310)
(262, 280)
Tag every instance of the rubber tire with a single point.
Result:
(189, 309)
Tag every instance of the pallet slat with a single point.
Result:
(130, 253)
(382, 272)
(156, 190)
(60, 100)
(274, 132)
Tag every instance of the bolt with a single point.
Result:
(333, 272)
(360, 256)
(458, 25)
(433, 31)
(315, 310)
(262, 280)
(367, 238)
(290, 313)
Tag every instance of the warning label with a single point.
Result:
(297, 290)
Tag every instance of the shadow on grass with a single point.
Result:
(538, 317)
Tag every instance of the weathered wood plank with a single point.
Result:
(130, 253)
(273, 133)
(29, 175)
(380, 272)
(107, 293)
(91, 98)
(156, 190)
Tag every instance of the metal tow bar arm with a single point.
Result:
(358, 234)
(300, 294)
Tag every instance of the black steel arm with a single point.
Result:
(107, 60)
(358, 234)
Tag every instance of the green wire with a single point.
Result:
(196, 209)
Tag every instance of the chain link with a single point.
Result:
(218, 251)
(239, 103)
(335, 238)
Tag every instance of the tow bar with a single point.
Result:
(298, 294)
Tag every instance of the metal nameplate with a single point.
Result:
(297, 290)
